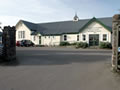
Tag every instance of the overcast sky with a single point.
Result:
(38, 11)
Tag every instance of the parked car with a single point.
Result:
(27, 43)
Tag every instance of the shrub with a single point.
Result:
(64, 43)
(82, 45)
(105, 45)
(75, 43)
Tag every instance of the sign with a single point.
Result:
(94, 29)
(118, 49)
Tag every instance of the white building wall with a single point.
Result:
(35, 39)
(71, 38)
(28, 36)
(95, 28)
(22, 27)
(50, 40)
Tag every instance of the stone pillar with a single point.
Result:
(115, 32)
(9, 43)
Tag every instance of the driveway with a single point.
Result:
(59, 69)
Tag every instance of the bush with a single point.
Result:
(82, 45)
(75, 43)
(64, 43)
(105, 45)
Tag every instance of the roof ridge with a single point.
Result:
(62, 21)
(71, 20)
(28, 21)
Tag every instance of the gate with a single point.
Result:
(93, 39)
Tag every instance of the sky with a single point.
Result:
(41, 11)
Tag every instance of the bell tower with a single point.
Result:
(75, 18)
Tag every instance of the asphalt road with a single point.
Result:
(59, 69)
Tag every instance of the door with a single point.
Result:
(93, 39)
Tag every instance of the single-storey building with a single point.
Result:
(92, 31)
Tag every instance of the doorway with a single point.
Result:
(93, 39)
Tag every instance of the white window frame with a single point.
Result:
(84, 37)
(105, 38)
(21, 34)
(34, 38)
(78, 37)
(65, 37)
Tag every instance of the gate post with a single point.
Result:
(9, 43)
(115, 41)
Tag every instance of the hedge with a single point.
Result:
(64, 43)
(105, 45)
(82, 45)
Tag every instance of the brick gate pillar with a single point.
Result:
(115, 40)
(9, 43)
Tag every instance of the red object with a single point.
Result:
(18, 43)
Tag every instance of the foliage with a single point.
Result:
(105, 45)
(82, 45)
(75, 43)
(64, 43)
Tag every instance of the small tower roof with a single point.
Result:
(76, 18)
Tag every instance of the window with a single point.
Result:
(84, 37)
(21, 34)
(104, 37)
(65, 37)
(77, 37)
(34, 38)
(18, 34)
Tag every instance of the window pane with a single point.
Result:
(84, 37)
(23, 34)
(65, 37)
(34, 38)
(104, 37)
(77, 37)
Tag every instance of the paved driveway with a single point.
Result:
(59, 69)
